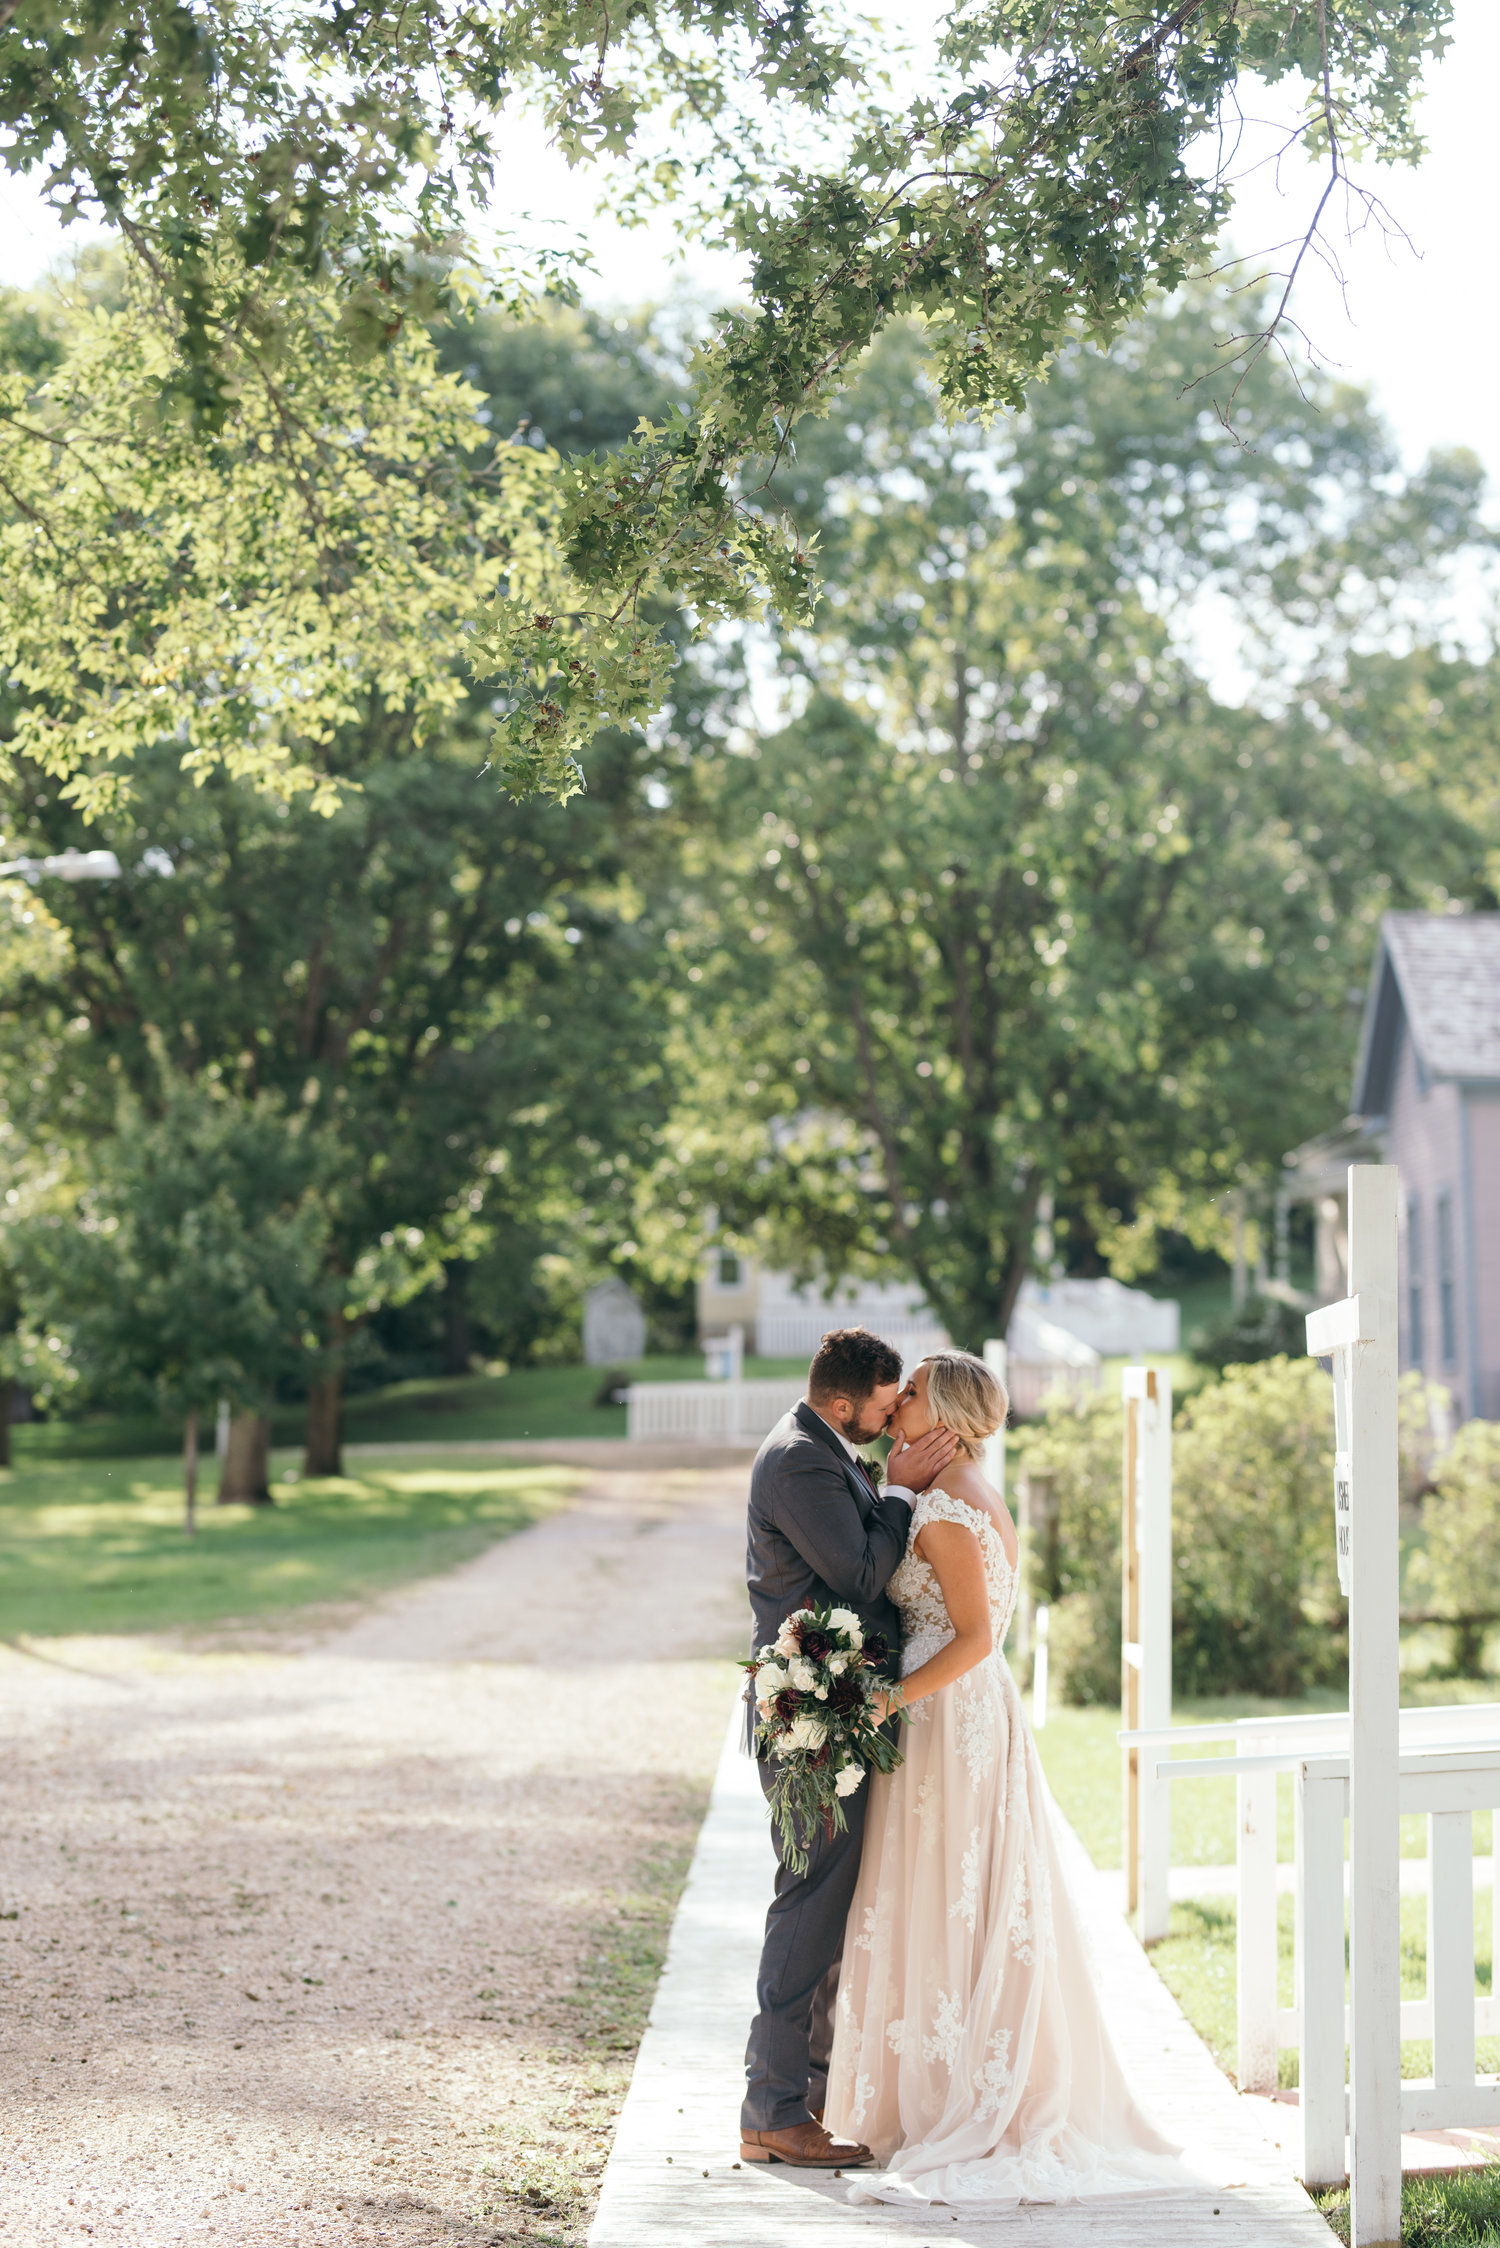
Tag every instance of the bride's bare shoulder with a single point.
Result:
(973, 1491)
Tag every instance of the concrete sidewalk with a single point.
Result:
(673, 2174)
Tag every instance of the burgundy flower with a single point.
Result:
(816, 1646)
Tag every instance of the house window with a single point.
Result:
(1414, 1279)
(729, 1269)
(1447, 1299)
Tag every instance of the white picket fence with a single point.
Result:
(706, 1412)
(1449, 1767)
(794, 1330)
(1031, 1382)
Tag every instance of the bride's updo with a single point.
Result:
(967, 1396)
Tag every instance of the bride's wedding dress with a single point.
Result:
(969, 2048)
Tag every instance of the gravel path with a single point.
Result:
(348, 1941)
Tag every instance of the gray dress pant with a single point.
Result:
(786, 2060)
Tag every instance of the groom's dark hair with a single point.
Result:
(850, 1362)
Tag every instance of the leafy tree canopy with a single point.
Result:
(1040, 186)
(442, 999)
(247, 596)
(1010, 902)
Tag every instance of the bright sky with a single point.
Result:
(1421, 324)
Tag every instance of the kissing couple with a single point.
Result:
(924, 1998)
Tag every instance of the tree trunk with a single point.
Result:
(458, 1337)
(1020, 1254)
(323, 1453)
(190, 1473)
(7, 1407)
(245, 1477)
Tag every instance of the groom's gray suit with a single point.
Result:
(821, 1534)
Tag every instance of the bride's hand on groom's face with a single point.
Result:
(919, 1465)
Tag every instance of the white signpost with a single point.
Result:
(1359, 1335)
(1146, 1650)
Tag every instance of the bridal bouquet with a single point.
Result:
(813, 1693)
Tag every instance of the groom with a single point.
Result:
(822, 1532)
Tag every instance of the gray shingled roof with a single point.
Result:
(1442, 972)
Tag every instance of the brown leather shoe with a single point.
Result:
(805, 2146)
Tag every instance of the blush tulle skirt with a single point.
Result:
(970, 2049)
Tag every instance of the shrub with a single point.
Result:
(1460, 1568)
(1071, 1457)
(1255, 1598)
(1427, 1417)
(1256, 1603)
(1264, 1327)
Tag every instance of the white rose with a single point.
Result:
(837, 1665)
(770, 1680)
(802, 1674)
(820, 1694)
(847, 1778)
(806, 1733)
(846, 1621)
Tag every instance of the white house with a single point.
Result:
(785, 1318)
(1427, 1095)
(1115, 1321)
(1059, 1332)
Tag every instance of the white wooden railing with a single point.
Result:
(1449, 1767)
(706, 1412)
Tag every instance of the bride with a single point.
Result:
(969, 2047)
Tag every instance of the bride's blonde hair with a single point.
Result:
(967, 1396)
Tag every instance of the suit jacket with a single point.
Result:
(819, 1535)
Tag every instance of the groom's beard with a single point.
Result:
(858, 1434)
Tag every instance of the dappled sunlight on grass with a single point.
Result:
(91, 1546)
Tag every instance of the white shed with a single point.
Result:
(614, 1325)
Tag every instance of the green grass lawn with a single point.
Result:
(1195, 1960)
(1462, 2211)
(532, 1402)
(98, 1547)
(1082, 1760)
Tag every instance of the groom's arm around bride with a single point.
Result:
(821, 1533)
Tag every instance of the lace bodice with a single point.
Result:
(915, 1590)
